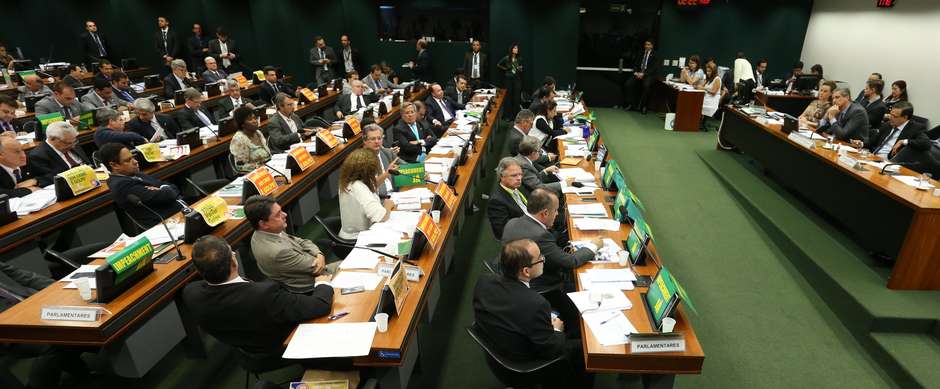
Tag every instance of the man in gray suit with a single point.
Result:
(63, 101)
(542, 208)
(377, 81)
(523, 123)
(285, 127)
(103, 96)
(291, 261)
(845, 119)
(32, 86)
(372, 137)
(213, 73)
(536, 177)
(322, 58)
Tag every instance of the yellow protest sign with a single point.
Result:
(302, 157)
(263, 181)
(328, 138)
(446, 194)
(429, 229)
(353, 124)
(151, 152)
(214, 210)
(80, 179)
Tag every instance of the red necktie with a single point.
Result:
(70, 160)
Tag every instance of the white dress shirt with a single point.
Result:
(447, 115)
(290, 122)
(475, 68)
(890, 141)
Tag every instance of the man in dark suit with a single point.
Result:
(523, 123)
(349, 104)
(873, 103)
(459, 94)
(322, 59)
(421, 66)
(377, 81)
(508, 199)
(413, 139)
(441, 110)
(224, 50)
(213, 73)
(15, 180)
(94, 45)
(351, 58)
(166, 42)
(233, 99)
(111, 130)
(153, 126)
(921, 154)
(57, 154)
(126, 179)
(372, 137)
(272, 86)
(102, 96)
(475, 66)
(542, 209)
(644, 74)
(193, 115)
(845, 119)
(178, 79)
(222, 300)
(760, 74)
(898, 132)
(519, 323)
(198, 46)
(105, 68)
(74, 77)
(536, 176)
(121, 87)
(8, 108)
(285, 127)
(871, 77)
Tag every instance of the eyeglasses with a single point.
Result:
(541, 260)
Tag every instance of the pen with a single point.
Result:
(611, 318)
(341, 314)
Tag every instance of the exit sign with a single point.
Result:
(692, 3)
(885, 3)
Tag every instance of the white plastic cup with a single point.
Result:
(436, 216)
(936, 192)
(381, 321)
(668, 324)
(84, 289)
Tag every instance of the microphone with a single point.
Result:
(134, 199)
(366, 247)
(286, 177)
(906, 164)
(197, 187)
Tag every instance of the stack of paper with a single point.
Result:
(33, 202)
(29, 137)
(352, 279)
(330, 340)
(587, 210)
(420, 194)
(577, 173)
(609, 327)
(233, 189)
(597, 279)
(596, 224)
(401, 221)
(311, 146)
(588, 188)
(611, 299)
(83, 271)
(914, 181)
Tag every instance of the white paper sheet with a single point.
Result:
(913, 181)
(351, 279)
(587, 210)
(81, 269)
(610, 327)
(330, 340)
(596, 224)
(612, 299)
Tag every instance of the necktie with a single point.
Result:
(459, 97)
(7, 126)
(165, 48)
(67, 111)
(125, 96)
(839, 118)
(520, 199)
(202, 117)
(71, 161)
(476, 66)
(16, 174)
(216, 74)
(322, 57)
(362, 103)
(276, 89)
(887, 138)
(414, 130)
(646, 57)
(100, 46)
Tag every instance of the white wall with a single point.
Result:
(853, 38)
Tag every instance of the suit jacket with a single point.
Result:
(356, 57)
(100, 77)
(127, 95)
(271, 312)
(386, 156)
(90, 48)
(468, 65)
(852, 125)
(381, 84)
(558, 263)
(23, 92)
(186, 118)
(876, 111)
(459, 102)
(344, 105)
(21, 282)
(172, 44)
(533, 177)
(211, 77)
(104, 135)
(226, 106)
(422, 67)
(93, 101)
(286, 259)
(45, 163)
(403, 136)
(195, 45)
(910, 132)
(319, 70)
(927, 160)
(515, 319)
(501, 208)
(435, 112)
(267, 91)
(215, 50)
(162, 201)
(513, 139)
(49, 105)
(651, 64)
(279, 134)
(8, 187)
(761, 79)
(146, 130)
(72, 81)
(170, 85)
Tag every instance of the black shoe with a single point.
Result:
(643, 110)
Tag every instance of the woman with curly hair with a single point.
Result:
(359, 202)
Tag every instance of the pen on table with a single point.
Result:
(338, 315)
(611, 318)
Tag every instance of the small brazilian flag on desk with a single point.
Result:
(411, 174)
(49, 118)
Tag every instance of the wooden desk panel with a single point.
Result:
(791, 104)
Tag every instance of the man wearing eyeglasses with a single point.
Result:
(519, 323)
(57, 154)
(373, 136)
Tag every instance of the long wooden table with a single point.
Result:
(792, 104)
(33, 226)
(21, 323)
(883, 214)
(658, 369)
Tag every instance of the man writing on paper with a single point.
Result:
(151, 125)
(256, 317)
(349, 104)
(293, 262)
(373, 137)
(518, 322)
(15, 180)
(57, 154)
(126, 179)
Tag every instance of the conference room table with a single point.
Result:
(86, 78)
(686, 103)
(657, 370)
(792, 104)
(882, 214)
(33, 226)
(153, 293)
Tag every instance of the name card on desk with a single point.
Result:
(263, 181)
(328, 138)
(351, 127)
(429, 229)
(308, 95)
(151, 152)
(447, 194)
(66, 313)
(802, 140)
(214, 210)
(302, 157)
(80, 179)
(657, 343)
(850, 162)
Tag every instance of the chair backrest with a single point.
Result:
(128, 227)
(332, 229)
(316, 121)
(511, 365)
(232, 170)
(934, 133)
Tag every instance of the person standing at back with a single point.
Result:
(511, 66)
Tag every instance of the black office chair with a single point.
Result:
(933, 133)
(338, 246)
(316, 121)
(516, 374)
(95, 159)
(257, 364)
(128, 226)
(491, 265)
(61, 263)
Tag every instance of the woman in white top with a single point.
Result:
(359, 203)
(712, 88)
